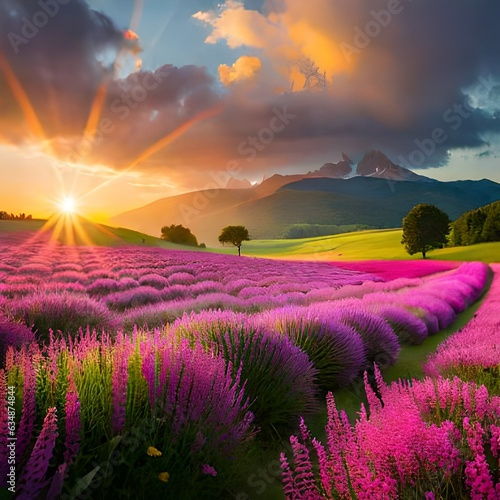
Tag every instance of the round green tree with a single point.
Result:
(425, 228)
(235, 235)
(179, 234)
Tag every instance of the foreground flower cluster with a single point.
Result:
(417, 441)
(118, 400)
(434, 438)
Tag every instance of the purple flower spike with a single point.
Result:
(33, 478)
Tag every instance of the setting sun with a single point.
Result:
(68, 205)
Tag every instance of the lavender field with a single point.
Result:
(249, 250)
(137, 372)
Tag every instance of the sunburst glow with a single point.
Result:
(68, 205)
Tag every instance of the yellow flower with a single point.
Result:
(153, 452)
(164, 476)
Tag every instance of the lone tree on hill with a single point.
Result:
(425, 228)
(235, 235)
(179, 234)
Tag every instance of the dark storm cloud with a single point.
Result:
(425, 77)
(53, 49)
(425, 80)
(61, 53)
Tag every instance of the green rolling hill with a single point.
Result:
(375, 202)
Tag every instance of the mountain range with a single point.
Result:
(377, 193)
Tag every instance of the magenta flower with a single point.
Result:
(27, 423)
(119, 385)
(208, 470)
(33, 478)
(477, 472)
(73, 427)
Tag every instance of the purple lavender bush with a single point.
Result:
(134, 297)
(13, 333)
(381, 343)
(335, 349)
(64, 312)
(279, 377)
(408, 328)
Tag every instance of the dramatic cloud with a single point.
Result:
(239, 27)
(397, 70)
(416, 80)
(59, 87)
(52, 62)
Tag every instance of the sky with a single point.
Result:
(121, 102)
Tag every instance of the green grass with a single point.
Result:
(15, 226)
(361, 245)
(101, 235)
(381, 244)
(384, 244)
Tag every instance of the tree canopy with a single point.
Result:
(477, 226)
(424, 228)
(179, 234)
(6, 216)
(235, 235)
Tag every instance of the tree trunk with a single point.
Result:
(239, 250)
(423, 253)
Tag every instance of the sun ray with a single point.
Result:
(99, 100)
(158, 146)
(95, 110)
(178, 132)
(136, 14)
(22, 99)
(27, 109)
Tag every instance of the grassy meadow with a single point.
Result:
(383, 244)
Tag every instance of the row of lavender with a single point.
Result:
(448, 439)
(473, 353)
(169, 411)
(62, 288)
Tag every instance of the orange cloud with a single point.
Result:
(244, 68)
(286, 37)
(320, 47)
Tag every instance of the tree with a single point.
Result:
(477, 226)
(491, 227)
(6, 216)
(424, 228)
(235, 235)
(179, 234)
